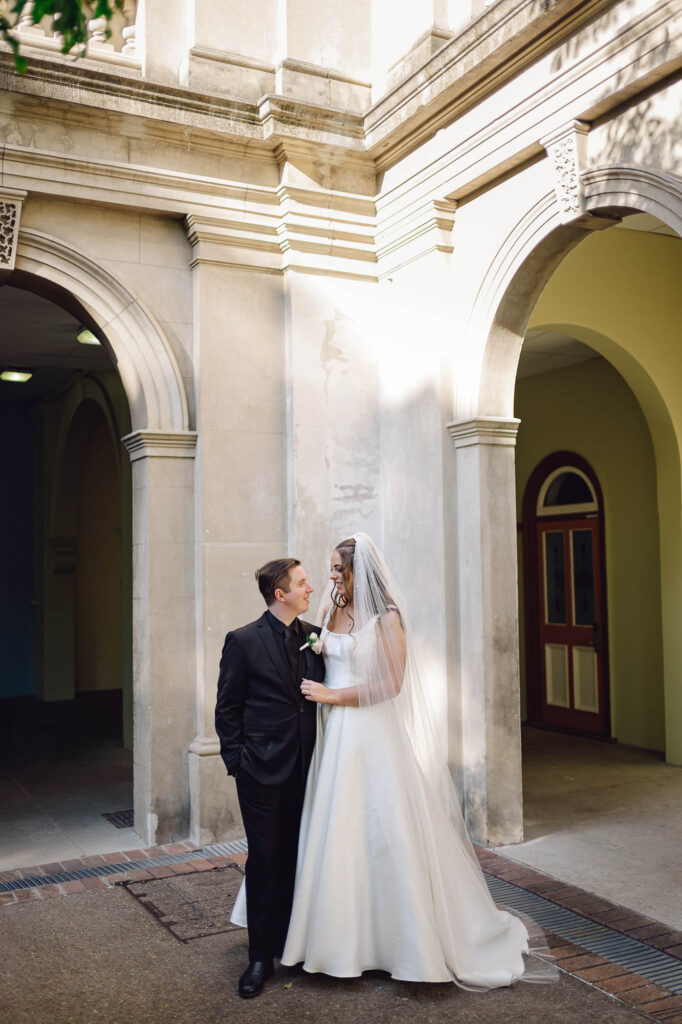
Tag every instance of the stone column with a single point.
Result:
(164, 666)
(241, 477)
(488, 624)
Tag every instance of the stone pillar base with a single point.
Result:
(215, 816)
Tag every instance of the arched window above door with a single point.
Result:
(566, 490)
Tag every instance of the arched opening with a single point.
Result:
(67, 697)
(593, 317)
(146, 402)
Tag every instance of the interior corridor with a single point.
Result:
(62, 767)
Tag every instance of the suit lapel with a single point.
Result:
(309, 658)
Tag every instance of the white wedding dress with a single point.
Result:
(383, 880)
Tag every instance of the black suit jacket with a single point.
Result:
(264, 724)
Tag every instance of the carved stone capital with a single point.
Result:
(484, 430)
(146, 444)
(567, 151)
(11, 201)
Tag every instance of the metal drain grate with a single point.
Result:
(100, 870)
(226, 849)
(121, 819)
(219, 850)
(637, 956)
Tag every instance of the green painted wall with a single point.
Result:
(619, 292)
(588, 408)
(98, 601)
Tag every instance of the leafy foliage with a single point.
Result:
(70, 19)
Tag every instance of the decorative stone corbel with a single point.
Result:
(11, 200)
(146, 444)
(567, 151)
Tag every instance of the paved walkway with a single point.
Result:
(603, 817)
(154, 946)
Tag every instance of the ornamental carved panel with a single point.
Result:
(567, 151)
(567, 176)
(10, 211)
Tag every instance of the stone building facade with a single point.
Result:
(313, 238)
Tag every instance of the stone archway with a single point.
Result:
(161, 447)
(484, 434)
(88, 400)
(143, 356)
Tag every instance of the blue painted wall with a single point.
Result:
(17, 615)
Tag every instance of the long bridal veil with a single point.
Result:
(388, 678)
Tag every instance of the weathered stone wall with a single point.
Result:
(313, 245)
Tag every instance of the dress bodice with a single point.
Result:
(344, 655)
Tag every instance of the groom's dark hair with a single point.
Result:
(275, 576)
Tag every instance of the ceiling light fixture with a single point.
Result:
(15, 376)
(86, 337)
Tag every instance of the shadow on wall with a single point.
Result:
(601, 30)
(643, 136)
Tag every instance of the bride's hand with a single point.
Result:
(317, 692)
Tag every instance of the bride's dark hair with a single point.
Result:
(346, 550)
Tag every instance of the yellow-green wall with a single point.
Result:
(589, 409)
(98, 598)
(619, 292)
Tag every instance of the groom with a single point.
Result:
(267, 735)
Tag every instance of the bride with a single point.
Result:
(387, 878)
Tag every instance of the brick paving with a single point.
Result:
(634, 990)
(126, 874)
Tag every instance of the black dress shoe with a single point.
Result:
(254, 977)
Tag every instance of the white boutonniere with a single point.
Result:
(313, 642)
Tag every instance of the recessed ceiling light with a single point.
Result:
(86, 337)
(16, 376)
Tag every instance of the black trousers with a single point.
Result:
(272, 818)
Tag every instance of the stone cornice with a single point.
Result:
(508, 38)
(608, 71)
(308, 230)
(484, 430)
(497, 45)
(268, 122)
(368, 232)
(317, 71)
(144, 444)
